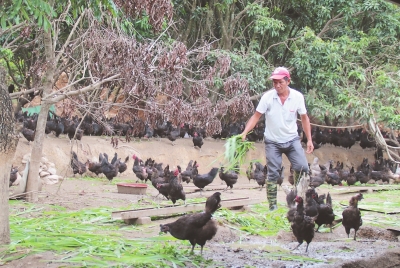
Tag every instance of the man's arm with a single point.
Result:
(305, 122)
(251, 124)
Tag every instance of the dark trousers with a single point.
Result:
(294, 152)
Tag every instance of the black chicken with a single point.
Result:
(197, 140)
(198, 228)
(28, 134)
(311, 208)
(351, 178)
(213, 202)
(76, 165)
(122, 165)
(325, 213)
(260, 174)
(187, 175)
(173, 134)
(139, 169)
(230, 177)
(302, 225)
(13, 175)
(108, 169)
(203, 180)
(352, 215)
(175, 188)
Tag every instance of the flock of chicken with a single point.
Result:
(303, 217)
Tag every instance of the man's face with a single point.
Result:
(281, 85)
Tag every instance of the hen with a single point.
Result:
(77, 166)
(94, 167)
(201, 181)
(302, 225)
(198, 228)
(230, 177)
(352, 215)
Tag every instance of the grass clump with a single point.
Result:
(89, 237)
(258, 221)
(236, 150)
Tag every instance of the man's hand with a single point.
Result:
(243, 136)
(310, 147)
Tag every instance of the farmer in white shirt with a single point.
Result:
(281, 106)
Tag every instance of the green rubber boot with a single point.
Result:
(296, 177)
(272, 189)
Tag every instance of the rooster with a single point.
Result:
(198, 228)
(201, 181)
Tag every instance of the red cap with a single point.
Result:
(280, 73)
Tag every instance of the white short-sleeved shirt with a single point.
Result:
(280, 120)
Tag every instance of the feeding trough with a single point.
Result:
(132, 188)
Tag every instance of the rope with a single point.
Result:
(317, 125)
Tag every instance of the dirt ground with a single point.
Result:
(229, 248)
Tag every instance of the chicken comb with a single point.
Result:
(176, 172)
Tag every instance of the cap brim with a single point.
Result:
(277, 76)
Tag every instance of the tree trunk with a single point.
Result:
(5, 165)
(8, 145)
(32, 186)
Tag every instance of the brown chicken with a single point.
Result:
(94, 167)
(302, 225)
(198, 228)
(352, 215)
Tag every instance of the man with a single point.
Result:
(281, 106)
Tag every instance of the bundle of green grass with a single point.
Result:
(235, 152)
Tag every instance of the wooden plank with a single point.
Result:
(148, 212)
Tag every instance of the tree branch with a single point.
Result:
(94, 86)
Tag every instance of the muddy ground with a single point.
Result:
(230, 248)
